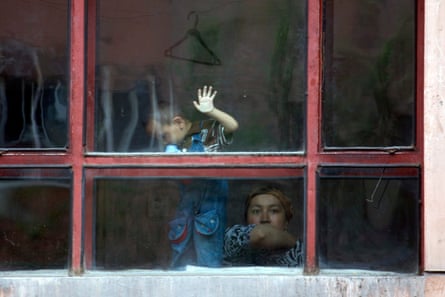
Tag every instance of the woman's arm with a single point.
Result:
(236, 240)
(266, 236)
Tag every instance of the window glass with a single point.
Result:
(33, 74)
(136, 219)
(156, 53)
(34, 219)
(368, 218)
(369, 73)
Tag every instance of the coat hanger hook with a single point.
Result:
(196, 17)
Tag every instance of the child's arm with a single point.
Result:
(205, 105)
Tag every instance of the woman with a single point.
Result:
(265, 240)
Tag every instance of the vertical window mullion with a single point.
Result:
(91, 73)
(420, 62)
(77, 91)
(313, 125)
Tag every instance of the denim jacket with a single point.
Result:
(197, 232)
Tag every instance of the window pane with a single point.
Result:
(369, 73)
(33, 74)
(135, 218)
(34, 219)
(152, 53)
(369, 218)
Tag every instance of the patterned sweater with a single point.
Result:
(237, 251)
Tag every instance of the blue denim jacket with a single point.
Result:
(197, 233)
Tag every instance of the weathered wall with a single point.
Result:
(434, 127)
(241, 284)
(233, 285)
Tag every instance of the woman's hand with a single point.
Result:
(266, 236)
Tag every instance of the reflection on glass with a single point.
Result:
(34, 223)
(369, 73)
(369, 219)
(135, 218)
(33, 74)
(152, 53)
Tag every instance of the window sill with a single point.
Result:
(196, 270)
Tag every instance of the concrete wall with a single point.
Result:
(256, 284)
(233, 285)
(434, 125)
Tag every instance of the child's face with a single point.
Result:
(171, 133)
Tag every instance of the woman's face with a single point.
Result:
(266, 209)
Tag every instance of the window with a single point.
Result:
(34, 93)
(35, 217)
(34, 75)
(326, 95)
(368, 218)
(369, 104)
(148, 53)
(136, 211)
(369, 75)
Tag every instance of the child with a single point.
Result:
(178, 134)
(197, 232)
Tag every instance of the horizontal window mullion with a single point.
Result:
(187, 172)
(188, 160)
(374, 171)
(35, 158)
(370, 158)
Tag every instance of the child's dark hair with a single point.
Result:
(165, 112)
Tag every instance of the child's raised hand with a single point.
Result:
(205, 98)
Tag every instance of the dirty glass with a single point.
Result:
(368, 219)
(33, 74)
(135, 217)
(369, 73)
(157, 53)
(34, 218)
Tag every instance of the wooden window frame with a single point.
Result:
(85, 164)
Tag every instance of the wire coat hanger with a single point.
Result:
(194, 33)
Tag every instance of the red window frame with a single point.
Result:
(163, 171)
(85, 165)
